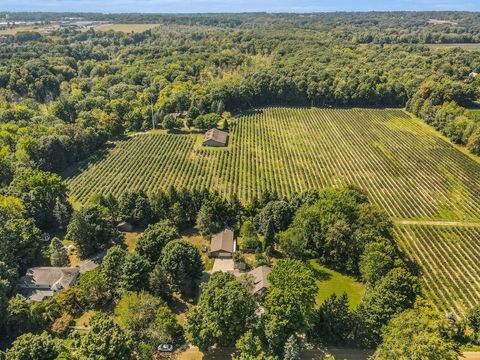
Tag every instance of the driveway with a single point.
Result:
(224, 265)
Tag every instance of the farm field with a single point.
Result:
(127, 28)
(463, 46)
(385, 152)
(448, 260)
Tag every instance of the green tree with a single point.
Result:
(105, 341)
(473, 319)
(134, 273)
(182, 265)
(170, 122)
(333, 320)
(158, 283)
(249, 347)
(416, 335)
(91, 230)
(394, 293)
(153, 240)
(291, 350)
(40, 191)
(112, 267)
(58, 253)
(225, 310)
(33, 347)
(289, 304)
(377, 260)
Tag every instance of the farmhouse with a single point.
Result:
(259, 278)
(223, 244)
(215, 138)
(41, 283)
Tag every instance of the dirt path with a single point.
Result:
(437, 223)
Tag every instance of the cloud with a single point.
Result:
(192, 6)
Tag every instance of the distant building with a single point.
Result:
(259, 278)
(215, 138)
(41, 283)
(473, 74)
(223, 244)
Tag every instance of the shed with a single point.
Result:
(125, 227)
(259, 278)
(215, 138)
(223, 244)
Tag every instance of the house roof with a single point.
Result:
(223, 241)
(49, 278)
(216, 135)
(259, 276)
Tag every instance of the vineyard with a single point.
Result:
(448, 259)
(405, 167)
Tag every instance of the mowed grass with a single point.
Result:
(126, 28)
(331, 282)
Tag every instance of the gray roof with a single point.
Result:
(41, 282)
(223, 241)
(216, 135)
(259, 277)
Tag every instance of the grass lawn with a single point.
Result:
(131, 239)
(194, 238)
(331, 282)
(84, 320)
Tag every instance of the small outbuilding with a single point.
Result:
(215, 138)
(259, 278)
(41, 283)
(125, 227)
(223, 244)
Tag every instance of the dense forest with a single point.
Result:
(64, 95)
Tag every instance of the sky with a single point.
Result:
(195, 6)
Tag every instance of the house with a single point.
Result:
(215, 138)
(223, 244)
(259, 278)
(41, 283)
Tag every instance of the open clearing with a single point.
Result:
(127, 28)
(425, 183)
(463, 46)
(330, 282)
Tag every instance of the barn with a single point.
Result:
(215, 138)
(223, 244)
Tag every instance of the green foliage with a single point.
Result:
(40, 192)
(105, 341)
(291, 351)
(134, 273)
(33, 347)
(473, 319)
(158, 283)
(135, 208)
(415, 335)
(249, 347)
(58, 253)
(394, 293)
(91, 230)
(336, 229)
(251, 242)
(224, 312)
(147, 318)
(333, 321)
(182, 265)
(207, 121)
(112, 266)
(213, 216)
(289, 304)
(377, 260)
(277, 212)
(153, 240)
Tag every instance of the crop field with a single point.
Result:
(127, 28)
(419, 178)
(385, 152)
(448, 260)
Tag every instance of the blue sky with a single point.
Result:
(191, 6)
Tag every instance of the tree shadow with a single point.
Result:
(79, 167)
(321, 274)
